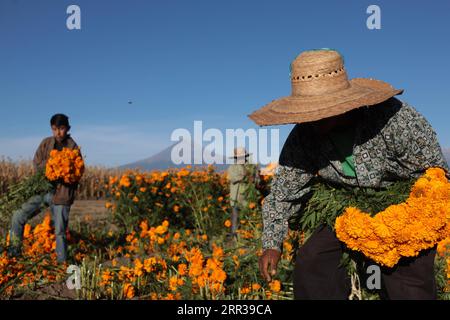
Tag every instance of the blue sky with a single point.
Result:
(180, 61)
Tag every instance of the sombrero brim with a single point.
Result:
(241, 156)
(299, 109)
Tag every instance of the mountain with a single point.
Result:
(162, 161)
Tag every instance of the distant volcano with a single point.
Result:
(162, 161)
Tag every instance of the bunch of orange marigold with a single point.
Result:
(404, 229)
(66, 165)
(38, 242)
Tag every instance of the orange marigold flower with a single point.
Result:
(128, 291)
(245, 290)
(275, 285)
(125, 181)
(443, 247)
(256, 286)
(182, 269)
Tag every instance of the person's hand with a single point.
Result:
(268, 263)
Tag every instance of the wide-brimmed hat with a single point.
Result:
(240, 152)
(321, 89)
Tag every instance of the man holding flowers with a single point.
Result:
(61, 159)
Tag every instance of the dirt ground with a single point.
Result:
(90, 211)
(82, 211)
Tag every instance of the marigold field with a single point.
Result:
(165, 237)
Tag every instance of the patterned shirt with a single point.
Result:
(392, 141)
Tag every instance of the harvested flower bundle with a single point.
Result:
(383, 224)
(404, 229)
(64, 166)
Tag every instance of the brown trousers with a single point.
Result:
(318, 274)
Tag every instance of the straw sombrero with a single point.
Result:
(321, 89)
(240, 152)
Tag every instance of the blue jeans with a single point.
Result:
(60, 217)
